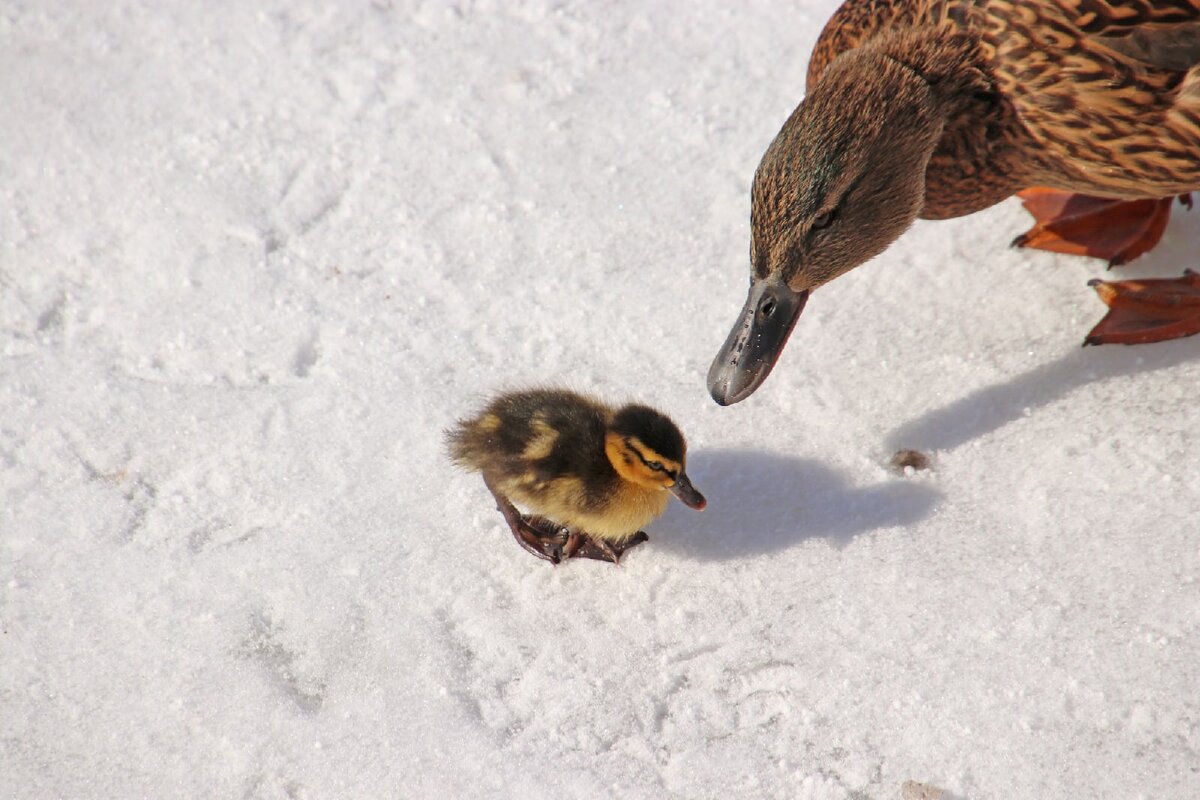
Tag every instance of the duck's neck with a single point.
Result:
(974, 163)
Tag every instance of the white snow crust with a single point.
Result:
(255, 257)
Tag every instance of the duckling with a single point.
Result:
(1089, 110)
(593, 475)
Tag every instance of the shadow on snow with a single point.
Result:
(987, 409)
(765, 502)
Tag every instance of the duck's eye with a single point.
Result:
(654, 465)
(824, 219)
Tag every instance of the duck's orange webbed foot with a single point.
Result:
(1145, 311)
(1078, 224)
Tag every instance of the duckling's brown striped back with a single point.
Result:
(537, 436)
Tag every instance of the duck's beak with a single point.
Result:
(687, 494)
(756, 341)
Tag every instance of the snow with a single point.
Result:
(254, 258)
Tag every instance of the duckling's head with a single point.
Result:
(647, 449)
(842, 180)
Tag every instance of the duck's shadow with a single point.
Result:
(762, 503)
(987, 409)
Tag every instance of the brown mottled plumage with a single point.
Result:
(940, 108)
(1099, 97)
(592, 474)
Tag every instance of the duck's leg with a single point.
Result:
(1078, 224)
(1145, 311)
(581, 544)
(530, 536)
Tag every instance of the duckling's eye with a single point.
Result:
(654, 465)
(824, 219)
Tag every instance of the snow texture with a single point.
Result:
(255, 257)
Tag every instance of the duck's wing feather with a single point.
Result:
(1173, 47)
(1108, 18)
(1108, 91)
(1161, 34)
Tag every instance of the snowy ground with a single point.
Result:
(255, 257)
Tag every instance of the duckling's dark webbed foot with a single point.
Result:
(536, 535)
(1078, 224)
(581, 544)
(541, 537)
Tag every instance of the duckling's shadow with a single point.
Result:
(763, 502)
(987, 409)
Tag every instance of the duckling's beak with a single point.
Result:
(756, 340)
(687, 494)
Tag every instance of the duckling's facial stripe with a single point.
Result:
(652, 460)
(632, 461)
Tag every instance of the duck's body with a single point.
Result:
(599, 472)
(939, 108)
(1086, 96)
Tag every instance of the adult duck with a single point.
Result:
(939, 108)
